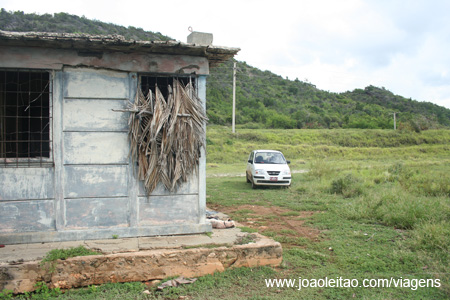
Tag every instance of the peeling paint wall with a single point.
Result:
(92, 191)
(95, 149)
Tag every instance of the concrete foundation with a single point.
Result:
(136, 259)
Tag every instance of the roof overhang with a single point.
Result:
(115, 43)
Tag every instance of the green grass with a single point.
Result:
(55, 254)
(301, 145)
(48, 263)
(379, 200)
(248, 229)
(383, 199)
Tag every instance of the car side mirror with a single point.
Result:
(288, 161)
(250, 161)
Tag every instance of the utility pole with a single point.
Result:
(233, 129)
(395, 122)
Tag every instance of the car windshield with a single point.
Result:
(269, 158)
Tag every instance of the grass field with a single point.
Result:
(364, 204)
(373, 205)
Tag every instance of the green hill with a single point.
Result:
(264, 99)
(63, 22)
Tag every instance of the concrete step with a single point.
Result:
(136, 259)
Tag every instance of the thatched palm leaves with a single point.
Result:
(166, 135)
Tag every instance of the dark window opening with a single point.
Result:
(25, 117)
(163, 82)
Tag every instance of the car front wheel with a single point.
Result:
(253, 184)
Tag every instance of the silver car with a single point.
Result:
(268, 167)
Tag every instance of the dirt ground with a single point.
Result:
(274, 221)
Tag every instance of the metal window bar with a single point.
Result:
(25, 118)
(149, 81)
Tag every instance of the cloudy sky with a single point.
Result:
(403, 46)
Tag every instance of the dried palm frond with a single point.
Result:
(187, 132)
(134, 124)
(152, 134)
(166, 136)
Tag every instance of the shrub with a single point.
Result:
(281, 121)
(428, 185)
(402, 211)
(432, 236)
(348, 186)
(397, 172)
(394, 207)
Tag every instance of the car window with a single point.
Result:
(269, 158)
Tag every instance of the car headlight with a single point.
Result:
(286, 172)
(259, 172)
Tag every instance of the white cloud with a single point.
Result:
(336, 45)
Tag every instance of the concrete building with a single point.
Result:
(65, 170)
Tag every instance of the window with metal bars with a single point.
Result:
(149, 82)
(25, 118)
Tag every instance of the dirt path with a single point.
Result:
(274, 221)
(243, 174)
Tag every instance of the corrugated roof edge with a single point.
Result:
(215, 54)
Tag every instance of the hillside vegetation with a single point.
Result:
(66, 23)
(264, 99)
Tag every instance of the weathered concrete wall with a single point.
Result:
(92, 192)
(56, 59)
(26, 200)
(139, 266)
(95, 163)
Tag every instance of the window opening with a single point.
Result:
(148, 83)
(25, 118)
